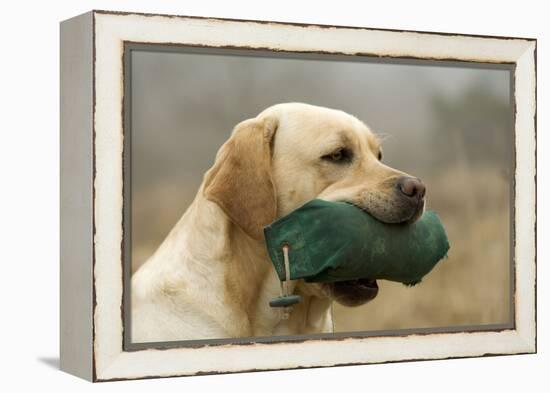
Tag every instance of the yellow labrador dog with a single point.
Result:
(212, 277)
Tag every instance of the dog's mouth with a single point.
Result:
(407, 215)
(353, 293)
(357, 292)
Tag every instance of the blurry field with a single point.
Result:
(449, 126)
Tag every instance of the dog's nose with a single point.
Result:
(411, 187)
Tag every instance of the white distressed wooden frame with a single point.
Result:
(92, 194)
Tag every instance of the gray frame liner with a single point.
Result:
(130, 47)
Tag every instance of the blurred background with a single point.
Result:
(449, 125)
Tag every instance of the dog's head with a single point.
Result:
(292, 153)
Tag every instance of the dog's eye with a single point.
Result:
(338, 156)
(380, 155)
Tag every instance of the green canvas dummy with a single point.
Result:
(337, 241)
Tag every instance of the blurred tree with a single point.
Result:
(472, 128)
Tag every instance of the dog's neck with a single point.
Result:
(229, 274)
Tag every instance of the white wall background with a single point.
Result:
(29, 195)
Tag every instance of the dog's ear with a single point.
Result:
(240, 181)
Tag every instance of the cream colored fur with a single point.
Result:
(211, 277)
